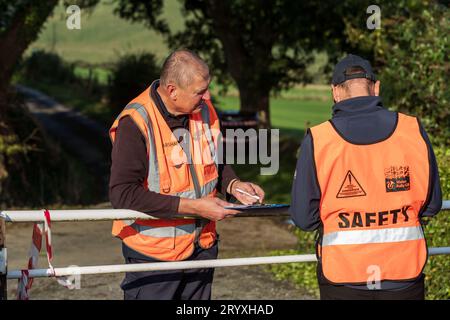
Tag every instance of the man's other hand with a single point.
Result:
(210, 208)
(251, 189)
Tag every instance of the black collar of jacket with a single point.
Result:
(357, 105)
(172, 121)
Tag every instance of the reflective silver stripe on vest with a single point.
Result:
(161, 232)
(372, 236)
(154, 184)
(207, 127)
(153, 169)
(205, 190)
(164, 232)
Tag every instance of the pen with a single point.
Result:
(248, 194)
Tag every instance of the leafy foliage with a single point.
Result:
(437, 231)
(416, 72)
(263, 46)
(36, 13)
(144, 11)
(20, 24)
(48, 67)
(33, 170)
(411, 50)
(302, 274)
(130, 76)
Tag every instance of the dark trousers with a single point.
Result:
(187, 284)
(415, 291)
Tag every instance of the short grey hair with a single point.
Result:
(181, 66)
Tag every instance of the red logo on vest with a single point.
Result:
(397, 178)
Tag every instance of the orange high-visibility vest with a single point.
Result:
(371, 198)
(169, 173)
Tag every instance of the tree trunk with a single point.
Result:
(21, 31)
(243, 67)
(252, 100)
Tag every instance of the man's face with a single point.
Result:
(189, 99)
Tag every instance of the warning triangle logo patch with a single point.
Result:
(350, 187)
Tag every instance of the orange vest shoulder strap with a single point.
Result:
(213, 118)
(135, 105)
(407, 123)
(323, 132)
(158, 125)
(137, 113)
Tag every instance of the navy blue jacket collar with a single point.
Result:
(357, 105)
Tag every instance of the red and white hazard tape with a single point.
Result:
(39, 228)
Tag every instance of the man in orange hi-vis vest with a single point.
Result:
(364, 180)
(165, 162)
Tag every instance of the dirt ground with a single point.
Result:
(91, 243)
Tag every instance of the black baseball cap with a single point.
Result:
(351, 60)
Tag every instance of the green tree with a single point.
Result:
(130, 74)
(21, 143)
(264, 46)
(411, 52)
(20, 23)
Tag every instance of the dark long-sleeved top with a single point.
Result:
(361, 120)
(130, 167)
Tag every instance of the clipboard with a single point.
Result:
(261, 209)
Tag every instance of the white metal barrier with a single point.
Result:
(108, 214)
(113, 214)
(178, 265)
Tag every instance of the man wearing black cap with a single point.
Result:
(364, 180)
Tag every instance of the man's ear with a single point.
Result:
(376, 88)
(172, 91)
(335, 93)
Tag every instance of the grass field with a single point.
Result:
(288, 113)
(103, 36)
